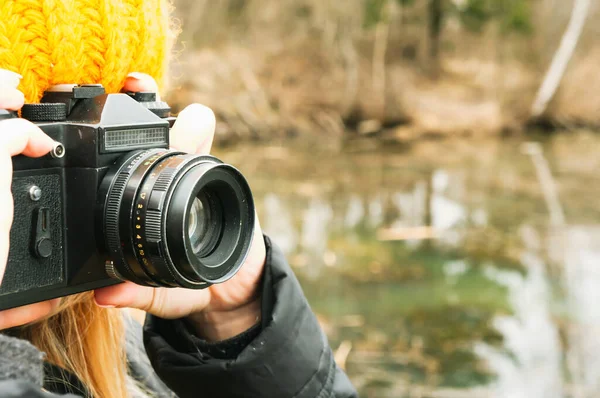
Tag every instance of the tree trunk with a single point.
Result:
(561, 58)
(436, 14)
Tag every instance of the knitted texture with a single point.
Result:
(82, 41)
(20, 360)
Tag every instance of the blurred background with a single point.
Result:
(429, 168)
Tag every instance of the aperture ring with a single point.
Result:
(114, 238)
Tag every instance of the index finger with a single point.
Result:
(19, 136)
(11, 99)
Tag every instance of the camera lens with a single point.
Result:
(176, 220)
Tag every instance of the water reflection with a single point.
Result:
(529, 365)
(315, 234)
(580, 247)
(438, 272)
(277, 220)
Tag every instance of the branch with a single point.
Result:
(561, 57)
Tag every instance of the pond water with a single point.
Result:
(447, 268)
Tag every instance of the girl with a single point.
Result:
(253, 336)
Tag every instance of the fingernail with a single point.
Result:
(137, 75)
(106, 305)
(63, 88)
(9, 79)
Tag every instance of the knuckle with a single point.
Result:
(157, 304)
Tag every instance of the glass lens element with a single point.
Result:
(203, 228)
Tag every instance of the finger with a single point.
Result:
(194, 130)
(125, 294)
(9, 78)
(243, 285)
(166, 303)
(137, 82)
(6, 216)
(11, 99)
(29, 313)
(19, 136)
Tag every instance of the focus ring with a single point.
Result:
(164, 179)
(153, 223)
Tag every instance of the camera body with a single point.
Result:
(112, 202)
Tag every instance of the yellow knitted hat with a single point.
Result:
(82, 41)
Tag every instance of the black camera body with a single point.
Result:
(112, 202)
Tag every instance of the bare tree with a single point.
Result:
(435, 21)
(561, 58)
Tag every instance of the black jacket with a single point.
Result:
(287, 355)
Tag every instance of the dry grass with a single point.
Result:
(578, 101)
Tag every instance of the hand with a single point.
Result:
(17, 136)
(222, 310)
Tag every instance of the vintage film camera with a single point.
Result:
(111, 202)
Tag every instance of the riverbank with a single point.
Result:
(270, 82)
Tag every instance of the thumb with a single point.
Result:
(194, 130)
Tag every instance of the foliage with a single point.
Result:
(512, 15)
(474, 15)
(373, 12)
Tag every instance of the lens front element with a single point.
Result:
(198, 224)
(205, 222)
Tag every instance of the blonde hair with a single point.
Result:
(87, 341)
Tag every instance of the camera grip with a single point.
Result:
(28, 266)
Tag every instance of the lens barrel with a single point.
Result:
(175, 220)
